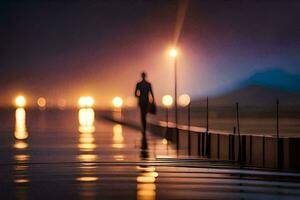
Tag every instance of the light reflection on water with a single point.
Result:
(20, 124)
(118, 139)
(146, 188)
(21, 156)
(87, 155)
(86, 117)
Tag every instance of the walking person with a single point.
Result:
(143, 90)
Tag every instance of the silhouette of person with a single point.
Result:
(142, 91)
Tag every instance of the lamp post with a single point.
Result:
(167, 101)
(173, 53)
(185, 101)
(117, 103)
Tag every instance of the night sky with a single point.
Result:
(65, 49)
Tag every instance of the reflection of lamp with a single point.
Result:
(20, 126)
(118, 137)
(86, 118)
(21, 134)
(146, 188)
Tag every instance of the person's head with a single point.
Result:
(143, 75)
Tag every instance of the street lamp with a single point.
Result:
(86, 102)
(117, 103)
(167, 101)
(185, 101)
(173, 53)
(20, 101)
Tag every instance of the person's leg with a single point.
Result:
(145, 120)
(143, 117)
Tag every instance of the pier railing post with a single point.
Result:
(189, 128)
(207, 141)
(279, 140)
(238, 130)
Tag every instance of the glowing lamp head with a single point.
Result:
(86, 102)
(173, 52)
(184, 100)
(117, 102)
(20, 101)
(167, 100)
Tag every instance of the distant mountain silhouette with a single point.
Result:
(262, 89)
(275, 79)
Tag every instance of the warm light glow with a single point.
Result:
(184, 100)
(119, 157)
(118, 137)
(117, 102)
(20, 124)
(20, 158)
(86, 118)
(167, 100)
(146, 188)
(86, 101)
(87, 179)
(165, 141)
(173, 52)
(41, 102)
(87, 157)
(20, 101)
(20, 145)
(23, 180)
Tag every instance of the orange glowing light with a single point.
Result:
(41, 102)
(117, 102)
(20, 101)
(167, 100)
(86, 101)
(173, 52)
(165, 141)
(184, 100)
(87, 179)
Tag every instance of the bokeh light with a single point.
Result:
(117, 102)
(41, 102)
(86, 101)
(20, 101)
(167, 100)
(184, 100)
